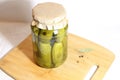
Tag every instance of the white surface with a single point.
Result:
(11, 34)
(4, 76)
(91, 72)
(96, 20)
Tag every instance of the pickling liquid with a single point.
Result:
(49, 46)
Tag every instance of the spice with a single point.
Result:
(81, 56)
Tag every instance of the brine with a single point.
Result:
(49, 46)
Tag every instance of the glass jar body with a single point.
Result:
(49, 46)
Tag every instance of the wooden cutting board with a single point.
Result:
(82, 55)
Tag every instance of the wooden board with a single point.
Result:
(82, 55)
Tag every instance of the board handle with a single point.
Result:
(95, 72)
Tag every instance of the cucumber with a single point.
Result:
(57, 54)
(64, 42)
(35, 30)
(46, 34)
(44, 59)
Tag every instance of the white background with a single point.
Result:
(96, 20)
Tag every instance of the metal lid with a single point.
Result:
(49, 15)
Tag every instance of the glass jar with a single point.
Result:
(49, 40)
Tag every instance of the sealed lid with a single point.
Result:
(49, 14)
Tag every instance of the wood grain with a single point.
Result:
(82, 55)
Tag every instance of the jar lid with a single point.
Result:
(49, 15)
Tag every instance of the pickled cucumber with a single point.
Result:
(57, 54)
(46, 34)
(64, 42)
(35, 30)
(61, 34)
(44, 59)
(66, 27)
(50, 47)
